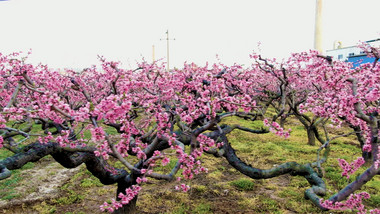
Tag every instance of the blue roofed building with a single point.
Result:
(360, 59)
(353, 54)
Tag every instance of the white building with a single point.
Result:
(343, 53)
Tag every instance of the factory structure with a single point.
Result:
(352, 54)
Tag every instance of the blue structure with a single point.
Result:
(360, 59)
(353, 54)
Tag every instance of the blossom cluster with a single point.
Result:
(124, 199)
(275, 128)
(354, 202)
(190, 164)
(349, 169)
(150, 106)
(183, 187)
(377, 159)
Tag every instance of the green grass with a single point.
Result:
(73, 188)
(8, 185)
(199, 188)
(277, 195)
(5, 153)
(267, 205)
(168, 167)
(90, 182)
(71, 198)
(45, 208)
(268, 150)
(181, 209)
(243, 184)
(202, 208)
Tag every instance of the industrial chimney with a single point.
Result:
(318, 26)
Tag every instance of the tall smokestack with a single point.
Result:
(318, 26)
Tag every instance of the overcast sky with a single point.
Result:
(71, 33)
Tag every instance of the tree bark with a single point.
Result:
(366, 155)
(129, 208)
(282, 121)
(310, 136)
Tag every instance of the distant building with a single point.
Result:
(353, 53)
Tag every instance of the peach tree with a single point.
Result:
(179, 115)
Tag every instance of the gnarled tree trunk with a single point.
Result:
(310, 136)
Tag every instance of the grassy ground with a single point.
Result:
(222, 190)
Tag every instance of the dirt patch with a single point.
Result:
(267, 191)
(210, 193)
(39, 184)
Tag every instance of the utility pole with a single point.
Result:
(318, 26)
(167, 47)
(153, 58)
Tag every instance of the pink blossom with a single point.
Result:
(349, 169)
(354, 202)
(183, 187)
(130, 193)
(97, 134)
(140, 180)
(165, 161)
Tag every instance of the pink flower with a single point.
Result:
(354, 202)
(183, 187)
(97, 134)
(141, 180)
(130, 193)
(165, 161)
(349, 169)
